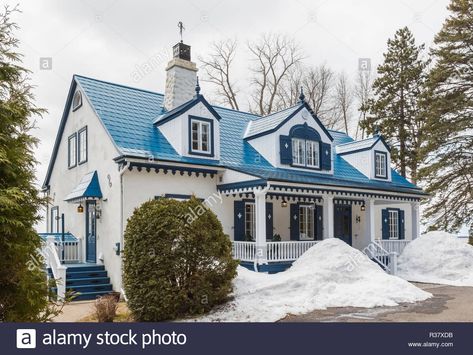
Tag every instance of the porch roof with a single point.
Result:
(88, 188)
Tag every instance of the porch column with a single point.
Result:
(260, 217)
(370, 221)
(415, 219)
(328, 214)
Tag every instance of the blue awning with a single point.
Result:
(88, 188)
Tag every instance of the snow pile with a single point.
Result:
(437, 257)
(330, 274)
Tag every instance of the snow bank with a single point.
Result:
(437, 257)
(330, 274)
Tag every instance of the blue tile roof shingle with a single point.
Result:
(128, 114)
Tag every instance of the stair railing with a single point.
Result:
(58, 269)
(388, 260)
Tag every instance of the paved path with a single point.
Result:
(75, 311)
(449, 304)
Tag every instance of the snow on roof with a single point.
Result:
(437, 257)
(330, 274)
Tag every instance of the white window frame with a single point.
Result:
(82, 149)
(72, 151)
(381, 169)
(314, 148)
(76, 100)
(250, 220)
(298, 152)
(393, 224)
(306, 222)
(200, 140)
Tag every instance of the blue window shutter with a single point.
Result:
(285, 149)
(319, 220)
(294, 216)
(385, 223)
(401, 224)
(269, 220)
(325, 156)
(239, 220)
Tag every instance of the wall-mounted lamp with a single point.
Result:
(284, 204)
(117, 249)
(98, 212)
(363, 207)
(80, 208)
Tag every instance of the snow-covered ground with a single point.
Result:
(330, 274)
(437, 257)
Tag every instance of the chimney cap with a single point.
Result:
(182, 51)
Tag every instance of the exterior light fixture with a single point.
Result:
(80, 208)
(284, 204)
(363, 207)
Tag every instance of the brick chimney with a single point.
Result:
(181, 77)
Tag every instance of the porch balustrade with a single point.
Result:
(393, 246)
(276, 251)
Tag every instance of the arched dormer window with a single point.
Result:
(76, 100)
(303, 148)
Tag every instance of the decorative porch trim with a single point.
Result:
(342, 201)
(170, 168)
(241, 187)
(313, 190)
(293, 197)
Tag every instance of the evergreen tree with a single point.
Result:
(23, 291)
(395, 106)
(449, 163)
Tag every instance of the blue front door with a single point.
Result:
(90, 232)
(342, 223)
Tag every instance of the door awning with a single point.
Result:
(88, 188)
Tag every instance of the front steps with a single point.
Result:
(87, 281)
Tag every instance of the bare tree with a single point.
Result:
(274, 55)
(363, 92)
(217, 67)
(344, 100)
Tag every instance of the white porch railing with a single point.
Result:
(287, 251)
(393, 246)
(72, 251)
(57, 268)
(387, 260)
(276, 251)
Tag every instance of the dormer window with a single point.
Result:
(305, 153)
(380, 165)
(201, 136)
(76, 100)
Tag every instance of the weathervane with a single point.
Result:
(181, 27)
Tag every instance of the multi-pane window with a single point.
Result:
(200, 136)
(305, 153)
(393, 224)
(72, 151)
(250, 221)
(306, 223)
(83, 145)
(380, 165)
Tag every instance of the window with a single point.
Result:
(380, 165)
(201, 137)
(393, 224)
(76, 101)
(306, 223)
(305, 153)
(82, 141)
(54, 225)
(250, 221)
(72, 150)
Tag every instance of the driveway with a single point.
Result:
(448, 304)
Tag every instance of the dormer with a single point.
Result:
(371, 156)
(293, 138)
(188, 122)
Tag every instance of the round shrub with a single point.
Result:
(177, 260)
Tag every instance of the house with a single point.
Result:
(278, 184)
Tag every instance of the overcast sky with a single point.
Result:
(112, 39)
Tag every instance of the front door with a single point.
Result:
(342, 223)
(90, 232)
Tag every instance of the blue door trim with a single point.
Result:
(91, 242)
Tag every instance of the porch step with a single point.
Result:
(86, 281)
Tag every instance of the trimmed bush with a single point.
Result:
(177, 260)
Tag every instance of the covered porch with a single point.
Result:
(276, 223)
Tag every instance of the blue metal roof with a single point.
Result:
(88, 187)
(128, 115)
